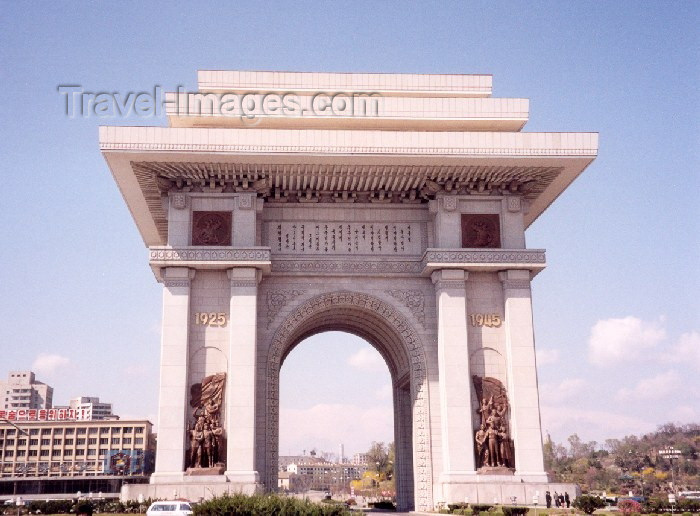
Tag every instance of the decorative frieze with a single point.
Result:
(245, 202)
(277, 299)
(358, 266)
(449, 203)
(413, 300)
(517, 284)
(179, 201)
(177, 283)
(484, 260)
(514, 203)
(188, 254)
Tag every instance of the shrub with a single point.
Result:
(384, 504)
(479, 508)
(588, 503)
(628, 506)
(514, 511)
(687, 505)
(457, 506)
(255, 505)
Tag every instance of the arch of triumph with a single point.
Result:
(402, 222)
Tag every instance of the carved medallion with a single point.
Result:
(481, 231)
(211, 228)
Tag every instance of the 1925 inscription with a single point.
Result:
(210, 318)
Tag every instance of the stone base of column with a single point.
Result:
(167, 478)
(243, 477)
(194, 488)
(494, 489)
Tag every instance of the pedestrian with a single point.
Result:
(556, 499)
(567, 500)
(548, 499)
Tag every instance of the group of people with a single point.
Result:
(493, 443)
(205, 442)
(560, 500)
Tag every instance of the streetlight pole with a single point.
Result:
(671, 453)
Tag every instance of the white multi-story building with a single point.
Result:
(323, 475)
(92, 405)
(23, 391)
(360, 459)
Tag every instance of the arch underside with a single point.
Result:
(390, 333)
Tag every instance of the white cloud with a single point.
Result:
(47, 363)
(367, 359)
(547, 356)
(616, 340)
(565, 390)
(686, 351)
(325, 426)
(385, 392)
(654, 388)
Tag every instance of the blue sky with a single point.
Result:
(616, 311)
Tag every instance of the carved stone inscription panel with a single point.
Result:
(303, 237)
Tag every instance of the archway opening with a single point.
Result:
(337, 419)
(383, 326)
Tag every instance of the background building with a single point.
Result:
(37, 457)
(322, 476)
(360, 458)
(23, 391)
(92, 407)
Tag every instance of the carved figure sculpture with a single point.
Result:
(493, 445)
(197, 437)
(206, 439)
(480, 439)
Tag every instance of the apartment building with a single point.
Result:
(23, 391)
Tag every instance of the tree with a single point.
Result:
(378, 457)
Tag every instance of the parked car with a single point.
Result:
(169, 508)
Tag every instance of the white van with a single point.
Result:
(165, 508)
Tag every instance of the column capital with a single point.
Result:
(515, 279)
(244, 276)
(449, 278)
(176, 276)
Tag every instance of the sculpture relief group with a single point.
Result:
(207, 448)
(494, 447)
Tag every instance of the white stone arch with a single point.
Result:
(396, 340)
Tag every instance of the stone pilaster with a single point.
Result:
(244, 215)
(526, 428)
(455, 379)
(173, 390)
(242, 368)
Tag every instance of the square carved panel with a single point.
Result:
(211, 228)
(481, 230)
